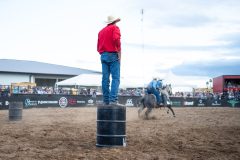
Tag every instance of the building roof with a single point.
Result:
(33, 67)
(229, 76)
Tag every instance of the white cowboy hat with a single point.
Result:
(111, 19)
(158, 78)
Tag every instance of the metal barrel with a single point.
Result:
(111, 126)
(15, 111)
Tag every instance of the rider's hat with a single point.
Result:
(157, 78)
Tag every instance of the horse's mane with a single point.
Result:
(166, 90)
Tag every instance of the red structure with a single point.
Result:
(225, 83)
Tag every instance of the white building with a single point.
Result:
(43, 74)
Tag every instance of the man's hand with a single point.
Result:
(119, 56)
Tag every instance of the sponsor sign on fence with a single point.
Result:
(34, 100)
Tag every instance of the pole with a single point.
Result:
(142, 33)
(142, 12)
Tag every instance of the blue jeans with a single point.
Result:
(110, 66)
(156, 93)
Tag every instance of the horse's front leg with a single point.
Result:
(170, 108)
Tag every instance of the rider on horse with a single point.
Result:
(153, 88)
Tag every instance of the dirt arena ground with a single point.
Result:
(70, 133)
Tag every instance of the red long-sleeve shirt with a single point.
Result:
(109, 39)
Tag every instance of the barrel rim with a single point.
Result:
(121, 121)
(105, 145)
(111, 135)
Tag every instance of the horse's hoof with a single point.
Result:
(174, 116)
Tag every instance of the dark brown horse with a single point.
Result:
(149, 101)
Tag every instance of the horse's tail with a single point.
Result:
(148, 100)
(142, 100)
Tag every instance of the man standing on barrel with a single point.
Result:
(109, 47)
(111, 116)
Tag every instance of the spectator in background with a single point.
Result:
(94, 94)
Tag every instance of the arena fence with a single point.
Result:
(54, 100)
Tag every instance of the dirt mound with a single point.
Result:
(70, 133)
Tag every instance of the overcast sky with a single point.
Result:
(185, 42)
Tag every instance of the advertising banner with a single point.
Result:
(63, 101)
